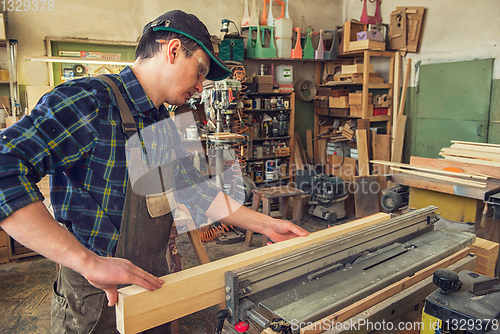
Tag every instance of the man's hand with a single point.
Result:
(280, 230)
(108, 272)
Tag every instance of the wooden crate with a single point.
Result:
(357, 110)
(339, 102)
(282, 151)
(356, 68)
(367, 45)
(357, 98)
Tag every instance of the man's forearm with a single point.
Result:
(34, 227)
(228, 211)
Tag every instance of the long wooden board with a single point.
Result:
(197, 288)
(383, 294)
(468, 168)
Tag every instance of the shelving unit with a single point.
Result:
(365, 86)
(257, 141)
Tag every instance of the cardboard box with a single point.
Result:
(357, 110)
(339, 102)
(263, 79)
(356, 68)
(357, 98)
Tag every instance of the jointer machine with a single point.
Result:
(310, 284)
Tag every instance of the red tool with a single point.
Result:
(242, 326)
(377, 18)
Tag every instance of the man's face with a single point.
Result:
(191, 69)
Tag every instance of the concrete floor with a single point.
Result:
(27, 287)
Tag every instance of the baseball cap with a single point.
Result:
(190, 26)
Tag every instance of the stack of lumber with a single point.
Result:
(487, 255)
(348, 131)
(474, 153)
(473, 180)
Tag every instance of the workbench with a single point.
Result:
(456, 201)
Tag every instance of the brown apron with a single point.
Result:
(144, 239)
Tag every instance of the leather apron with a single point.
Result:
(147, 219)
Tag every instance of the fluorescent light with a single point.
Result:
(79, 60)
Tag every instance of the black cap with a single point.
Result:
(190, 26)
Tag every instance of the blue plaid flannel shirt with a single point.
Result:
(74, 134)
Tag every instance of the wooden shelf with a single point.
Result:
(271, 157)
(264, 110)
(269, 94)
(271, 138)
(273, 181)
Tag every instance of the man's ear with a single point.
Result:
(173, 50)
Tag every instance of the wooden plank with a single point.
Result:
(364, 124)
(481, 148)
(475, 143)
(442, 177)
(366, 195)
(476, 154)
(473, 161)
(383, 294)
(399, 138)
(363, 160)
(401, 110)
(197, 288)
(344, 167)
(468, 168)
(395, 97)
(431, 170)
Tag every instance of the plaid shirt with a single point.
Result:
(74, 134)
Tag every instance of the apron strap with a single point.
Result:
(128, 123)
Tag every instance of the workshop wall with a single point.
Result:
(453, 31)
(123, 20)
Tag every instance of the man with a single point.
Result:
(78, 134)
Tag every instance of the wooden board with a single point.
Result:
(197, 288)
(468, 168)
(399, 138)
(363, 158)
(344, 167)
(487, 256)
(366, 195)
(383, 294)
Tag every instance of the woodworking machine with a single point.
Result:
(314, 282)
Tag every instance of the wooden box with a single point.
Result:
(357, 111)
(339, 102)
(367, 45)
(339, 92)
(321, 101)
(356, 68)
(339, 112)
(322, 111)
(351, 29)
(357, 98)
(282, 151)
